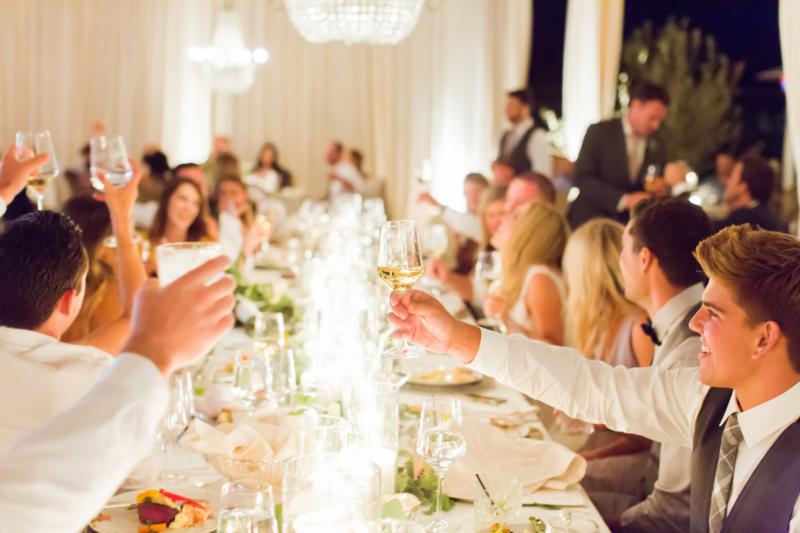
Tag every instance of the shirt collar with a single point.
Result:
(24, 337)
(763, 420)
(676, 308)
(524, 126)
(626, 126)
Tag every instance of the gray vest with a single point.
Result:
(518, 158)
(662, 511)
(768, 498)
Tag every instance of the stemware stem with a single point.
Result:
(164, 471)
(40, 201)
(439, 478)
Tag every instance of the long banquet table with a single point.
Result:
(195, 467)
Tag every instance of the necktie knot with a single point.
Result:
(732, 432)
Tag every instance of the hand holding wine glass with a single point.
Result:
(400, 266)
(30, 144)
(16, 170)
(441, 443)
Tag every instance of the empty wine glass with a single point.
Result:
(282, 376)
(247, 506)
(250, 384)
(320, 433)
(570, 521)
(435, 240)
(441, 443)
(488, 268)
(108, 154)
(31, 144)
(400, 266)
(269, 333)
(176, 417)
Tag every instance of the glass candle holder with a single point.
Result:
(331, 493)
(320, 433)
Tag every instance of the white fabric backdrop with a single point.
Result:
(789, 21)
(591, 64)
(437, 95)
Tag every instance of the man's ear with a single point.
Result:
(646, 259)
(64, 304)
(768, 337)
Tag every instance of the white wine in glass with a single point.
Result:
(31, 144)
(400, 266)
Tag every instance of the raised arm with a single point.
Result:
(14, 175)
(130, 269)
(657, 404)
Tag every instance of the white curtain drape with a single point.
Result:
(437, 95)
(789, 21)
(591, 63)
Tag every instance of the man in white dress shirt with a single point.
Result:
(343, 175)
(467, 224)
(662, 277)
(738, 411)
(525, 145)
(59, 477)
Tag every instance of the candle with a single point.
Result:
(386, 460)
(335, 520)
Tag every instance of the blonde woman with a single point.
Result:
(530, 298)
(602, 323)
(605, 326)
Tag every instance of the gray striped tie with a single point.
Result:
(731, 437)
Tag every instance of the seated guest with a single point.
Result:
(531, 295)
(77, 460)
(267, 173)
(239, 234)
(502, 173)
(615, 156)
(747, 195)
(342, 174)
(467, 224)
(529, 187)
(194, 172)
(604, 325)
(525, 145)
(712, 187)
(491, 215)
(738, 411)
(156, 173)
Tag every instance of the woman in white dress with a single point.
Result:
(531, 295)
(267, 174)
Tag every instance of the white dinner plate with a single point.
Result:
(447, 379)
(126, 521)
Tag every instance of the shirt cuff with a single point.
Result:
(621, 203)
(492, 353)
(3, 207)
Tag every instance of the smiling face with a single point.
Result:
(632, 265)
(183, 208)
(730, 343)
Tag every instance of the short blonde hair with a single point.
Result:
(596, 300)
(762, 268)
(539, 236)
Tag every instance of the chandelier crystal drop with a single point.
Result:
(354, 21)
(228, 64)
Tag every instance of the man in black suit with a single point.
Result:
(747, 196)
(615, 156)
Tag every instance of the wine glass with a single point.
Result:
(247, 507)
(441, 443)
(488, 268)
(176, 417)
(108, 154)
(282, 376)
(320, 433)
(269, 334)
(250, 385)
(31, 144)
(400, 266)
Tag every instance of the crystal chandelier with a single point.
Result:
(228, 63)
(354, 21)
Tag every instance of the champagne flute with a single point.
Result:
(441, 443)
(282, 376)
(176, 417)
(31, 144)
(400, 266)
(108, 154)
(488, 268)
(250, 384)
(269, 335)
(247, 507)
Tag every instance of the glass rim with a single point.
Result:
(251, 485)
(31, 132)
(378, 384)
(335, 421)
(330, 461)
(188, 245)
(399, 224)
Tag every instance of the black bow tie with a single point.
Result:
(650, 332)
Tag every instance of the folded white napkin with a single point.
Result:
(538, 462)
(247, 440)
